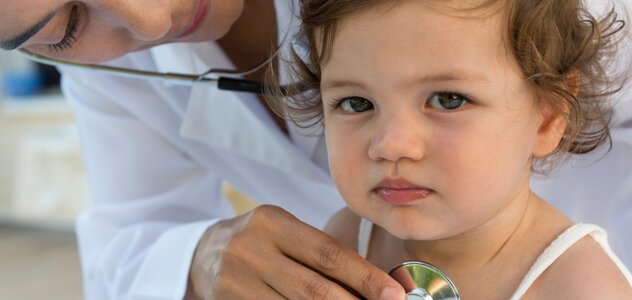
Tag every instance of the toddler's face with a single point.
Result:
(429, 124)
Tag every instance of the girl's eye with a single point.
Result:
(355, 104)
(447, 101)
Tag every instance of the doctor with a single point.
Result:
(158, 155)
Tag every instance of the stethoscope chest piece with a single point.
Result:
(423, 281)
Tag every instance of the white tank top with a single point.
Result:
(562, 243)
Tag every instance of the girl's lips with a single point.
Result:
(399, 197)
(400, 191)
(200, 14)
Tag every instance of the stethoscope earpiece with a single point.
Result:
(423, 281)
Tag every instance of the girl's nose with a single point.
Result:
(396, 138)
(146, 20)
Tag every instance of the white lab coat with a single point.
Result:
(156, 155)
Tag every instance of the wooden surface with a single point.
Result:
(38, 264)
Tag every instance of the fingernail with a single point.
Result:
(391, 293)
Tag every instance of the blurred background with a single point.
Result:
(42, 184)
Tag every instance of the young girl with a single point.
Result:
(435, 114)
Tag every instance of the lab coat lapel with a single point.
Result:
(221, 119)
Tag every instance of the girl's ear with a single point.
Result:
(549, 135)
(553, 121)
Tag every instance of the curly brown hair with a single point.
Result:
(564, 53)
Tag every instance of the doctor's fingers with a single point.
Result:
(314, 249)
(295, 281)
(241, 253)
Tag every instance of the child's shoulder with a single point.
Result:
(584, 271)
(344, 226)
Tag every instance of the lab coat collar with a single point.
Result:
(242, 130)
(222, 119)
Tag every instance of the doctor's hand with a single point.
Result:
(270, 254)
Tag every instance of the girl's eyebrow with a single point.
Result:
(434, 78)
(453, 76)
(340, 83)
(16, 41)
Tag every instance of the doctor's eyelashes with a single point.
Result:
(70, 36)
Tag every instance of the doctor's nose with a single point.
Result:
(146, 20)
(396, 139)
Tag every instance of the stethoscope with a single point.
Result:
(220, 82)
(423, 281)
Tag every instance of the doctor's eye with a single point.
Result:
(355, 104)
(447, 101)
(70, 35)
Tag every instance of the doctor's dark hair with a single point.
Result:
(560, 47)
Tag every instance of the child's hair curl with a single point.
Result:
(563, 51)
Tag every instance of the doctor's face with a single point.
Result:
(99, 30)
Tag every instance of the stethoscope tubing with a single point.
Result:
(221, 82)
